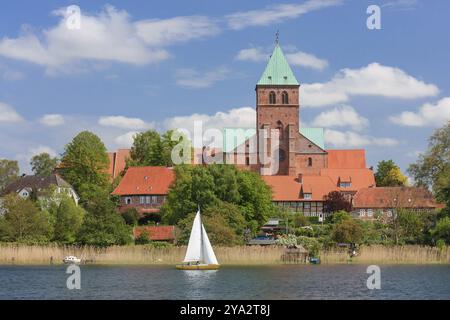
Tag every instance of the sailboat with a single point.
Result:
(200, 254)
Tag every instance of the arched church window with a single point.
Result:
(285, 97)
(309, 162)
(272, 98)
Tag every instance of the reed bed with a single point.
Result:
(241, 255)
(409, 254)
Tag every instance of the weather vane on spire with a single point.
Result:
(277, 37)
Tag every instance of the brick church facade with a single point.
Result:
(307, 171)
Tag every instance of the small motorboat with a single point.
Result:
(200, 254)
(71, 259)
(314, 260)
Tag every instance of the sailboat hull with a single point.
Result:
(198, 267)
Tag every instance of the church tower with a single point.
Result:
(277, 107)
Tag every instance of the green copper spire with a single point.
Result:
(277, 70)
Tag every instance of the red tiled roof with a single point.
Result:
(287, 188)
(347, 159)
(284, 188)
(360, 178)
(157, 233)
(145, 181)
(318, 186)
(394, 197)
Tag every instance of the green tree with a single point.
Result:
(103, 225)
(85, 161)
(210, 186)
(152, 149)
(347, 231)
(23, 221)
(432, 169)
(131, 216)
(9, 171)
(69, 219)
(388, 174)
(147, 149)
(43, 164)
(442, 230)
(143, 238)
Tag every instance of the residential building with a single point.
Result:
(383, 202)
(37, 186)
(145, 189)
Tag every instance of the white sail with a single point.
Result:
(199, 248)
(208, 253)
(194, 250)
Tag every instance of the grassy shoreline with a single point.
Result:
(14, 254)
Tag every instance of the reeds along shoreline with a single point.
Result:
(241, 255)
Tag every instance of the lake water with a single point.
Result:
(274, 282)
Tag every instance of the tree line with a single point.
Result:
(232, 201)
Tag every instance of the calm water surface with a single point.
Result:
(274, 282)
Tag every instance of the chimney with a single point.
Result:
(300, 178)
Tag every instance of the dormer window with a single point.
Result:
(272, 97)
(307, 196)
(345, 184)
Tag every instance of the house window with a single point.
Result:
(369, 212)
(362, 212)
(310, 162)
(272, 97)
(141, 200)
(247, 161)
(148, 199)
(154, 199)
(307, 196)
(128, 200)
(285, 98)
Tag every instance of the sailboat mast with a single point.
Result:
(202, 254)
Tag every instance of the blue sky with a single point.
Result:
(140, 64)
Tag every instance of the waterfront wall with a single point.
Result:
(242, 255)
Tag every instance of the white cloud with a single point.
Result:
(123, 122)
(428, 115)
(52, 120)
(344, 116)
(244, 117)
(352, 139)
(126, 140)
(303, 59)
(8, 114)
(108, 36)
(41, 149)
(276, 13)
(191, 78)
(252, 54)
(372, 80)
(159, 32)
(299, 58)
